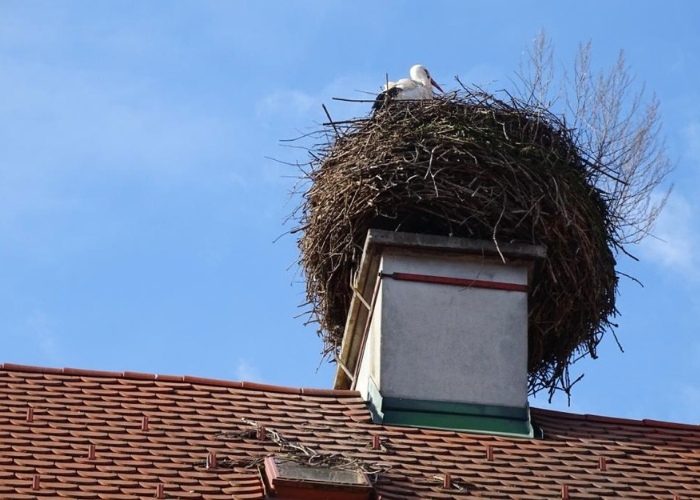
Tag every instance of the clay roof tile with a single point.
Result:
(189, 417)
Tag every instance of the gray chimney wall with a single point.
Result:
(448, 321)
(446, 342)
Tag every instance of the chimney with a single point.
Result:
(436, 334)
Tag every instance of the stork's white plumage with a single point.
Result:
(417, 87)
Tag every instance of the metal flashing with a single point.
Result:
(469, 417)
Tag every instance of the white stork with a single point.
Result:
(417, 87)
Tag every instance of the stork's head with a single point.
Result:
(421, 74)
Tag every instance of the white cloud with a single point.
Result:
(688, 404)
(41, 334)
(247, 371)
(285, 102)
(483, 75)
(78, 117)
(298, 104)
(294, 112)
(675, 237)
(64, 127)
(692, 138)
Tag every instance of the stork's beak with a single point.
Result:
(436, 85)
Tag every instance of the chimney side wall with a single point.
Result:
(452, 343)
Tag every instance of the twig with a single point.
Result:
(344, 122)
(330, 120)
(495, 228)
(351, 100)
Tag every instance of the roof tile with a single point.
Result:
(190, 416)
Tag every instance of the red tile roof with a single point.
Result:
(82, 434)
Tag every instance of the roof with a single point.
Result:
(82, 434)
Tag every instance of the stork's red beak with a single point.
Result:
(436, 85)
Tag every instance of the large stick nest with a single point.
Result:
(467, 165)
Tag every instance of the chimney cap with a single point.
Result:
(378, 238)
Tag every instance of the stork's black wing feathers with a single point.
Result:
(384, 97)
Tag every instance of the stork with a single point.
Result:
(417, 87)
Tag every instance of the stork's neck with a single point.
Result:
(419, 75)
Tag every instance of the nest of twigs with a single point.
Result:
(468, 165)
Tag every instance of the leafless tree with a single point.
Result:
(617, 128)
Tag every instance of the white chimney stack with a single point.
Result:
(436, 334)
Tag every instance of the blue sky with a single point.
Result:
(138, 211)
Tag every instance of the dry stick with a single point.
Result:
(294, 449)
(495, 227)
(343, 122)
(617, 341)
(337, 134)
(351, 100)
(631, 277)
(315, 133)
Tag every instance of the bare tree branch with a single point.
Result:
(617, 128)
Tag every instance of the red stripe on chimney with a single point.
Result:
(464, 282)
